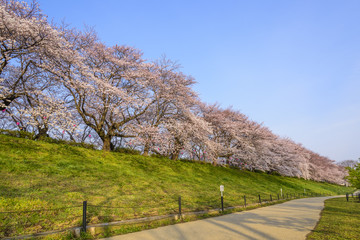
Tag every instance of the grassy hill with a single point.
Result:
(58, 177)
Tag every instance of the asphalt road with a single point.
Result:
(291, 220)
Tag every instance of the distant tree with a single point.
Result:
(348, 163)
(354, 175)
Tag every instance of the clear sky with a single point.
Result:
(293, 65)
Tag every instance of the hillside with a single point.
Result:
(38, 175)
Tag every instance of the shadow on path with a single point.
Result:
(290, 220)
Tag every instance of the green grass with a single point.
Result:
(39, 175)
(339, 220)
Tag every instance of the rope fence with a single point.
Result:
(43, 210)
(85, 214)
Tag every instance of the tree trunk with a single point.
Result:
(42, 134)
(175, 155)
(107, 145)
(177, 147)
(146, 150)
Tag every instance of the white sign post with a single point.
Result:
(281, 191)
(221, 189)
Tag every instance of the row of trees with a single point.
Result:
(64, 83)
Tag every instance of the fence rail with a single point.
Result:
(105, 214)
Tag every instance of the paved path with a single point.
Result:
(289, 221)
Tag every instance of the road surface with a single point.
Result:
(291, 220)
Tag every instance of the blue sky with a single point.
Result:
(293, 65)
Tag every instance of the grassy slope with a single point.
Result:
(339, 220)
(38, 175)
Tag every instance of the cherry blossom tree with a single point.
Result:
(230, 133)
(171, 94)
(28, 42)
(292, 159)
(190, 137)
(114, 92)
(26, 39)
